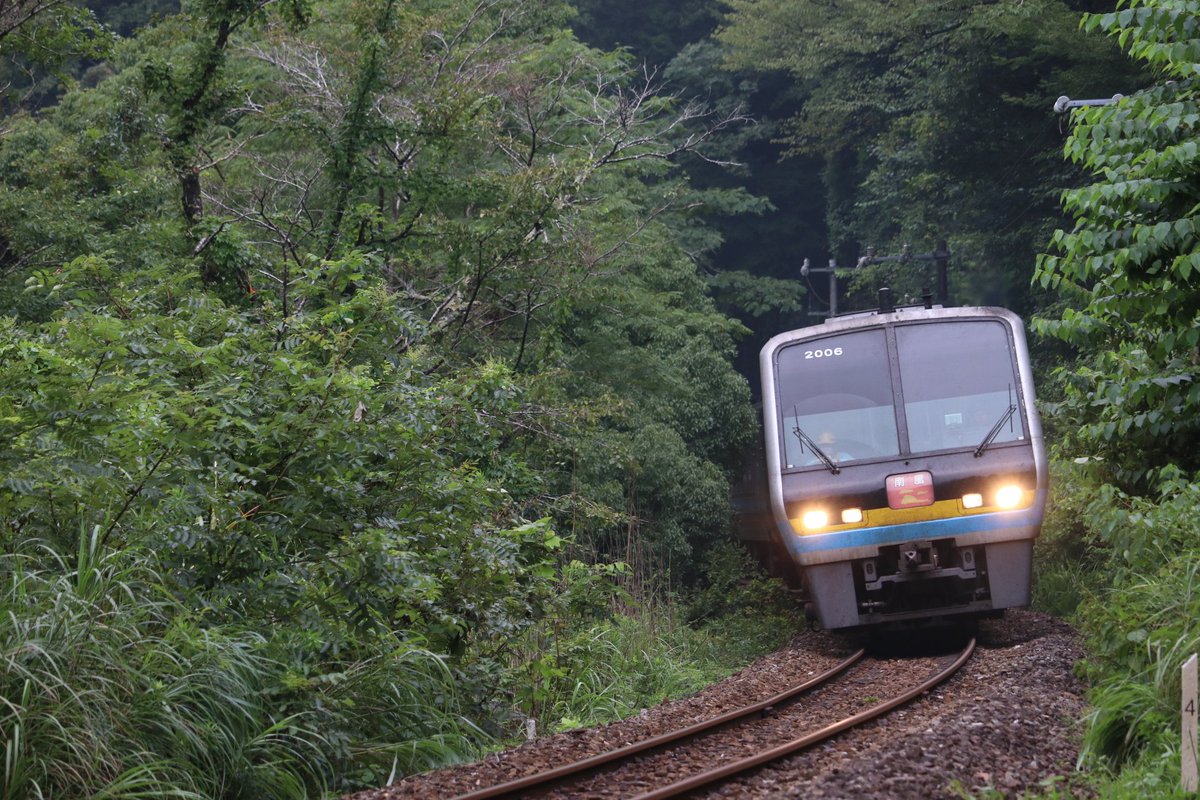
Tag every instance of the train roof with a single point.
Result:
(875, 318)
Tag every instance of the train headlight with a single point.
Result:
(1009, 497)
(972, 500)
(851, 516)
(813, 520)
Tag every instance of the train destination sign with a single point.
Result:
(910, 490)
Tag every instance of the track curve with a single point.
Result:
(631, 770)
(782, 751)
(542, 780)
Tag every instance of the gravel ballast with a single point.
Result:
(1006, 722)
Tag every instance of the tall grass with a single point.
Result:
(1127, 569)
(112, 688)
(615, 668)
(643, 647)
(397, 710)
(1066, 567)
(109, 689)
(1142, 630)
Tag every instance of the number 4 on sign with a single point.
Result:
(1188, 776)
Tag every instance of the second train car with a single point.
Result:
(905, 466)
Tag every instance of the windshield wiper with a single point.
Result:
(995, 431)
(805, 439)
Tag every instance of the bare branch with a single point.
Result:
(16, 13)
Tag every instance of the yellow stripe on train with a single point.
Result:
(820, 518)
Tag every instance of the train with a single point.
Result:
(903, 476)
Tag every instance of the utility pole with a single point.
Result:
(806, 270)
(940, 259)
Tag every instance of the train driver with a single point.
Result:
(828, 443)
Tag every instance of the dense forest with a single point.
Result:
(373, 374)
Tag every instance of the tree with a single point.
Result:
(507, 190)
(654, 32)
(762, 217)
(932, 121)
(193, 88)
(1130, 263)
(27, 26)
(38, 39)
(339, 322)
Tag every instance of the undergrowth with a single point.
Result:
(1126, 570)
(111, 691)
(111, 688)
(607, 654)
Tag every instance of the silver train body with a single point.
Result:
(906, 472)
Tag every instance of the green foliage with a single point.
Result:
(1125, 271)
(734, 584)
(213, 472)
(291, 476)
(41, 44)
(124, 17)
(1125, 568)
(50, 33)
(342, 312)
(110, 690)
(653, 31)
(931, 121)
(646, 352)
(586, 667)
(1052, 788)
(275, 495)
(1068, 565)
(757, 295)
(1129, 263)
(1143, 626)
(763, 215)
(617, 667)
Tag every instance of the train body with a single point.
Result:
(905, 470)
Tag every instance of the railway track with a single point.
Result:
(741, 741)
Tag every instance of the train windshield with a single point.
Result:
(838, 392)
(959, 382)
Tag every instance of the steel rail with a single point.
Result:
(721, 773)
(519, 785)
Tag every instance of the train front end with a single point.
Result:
(905, 463)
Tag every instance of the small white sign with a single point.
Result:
(1188, 774)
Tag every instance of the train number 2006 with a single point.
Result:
(828, 352)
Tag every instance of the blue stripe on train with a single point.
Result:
(909, 531)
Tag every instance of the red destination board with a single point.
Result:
(910, 490)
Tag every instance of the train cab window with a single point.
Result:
(959, 381)
(838, 392)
